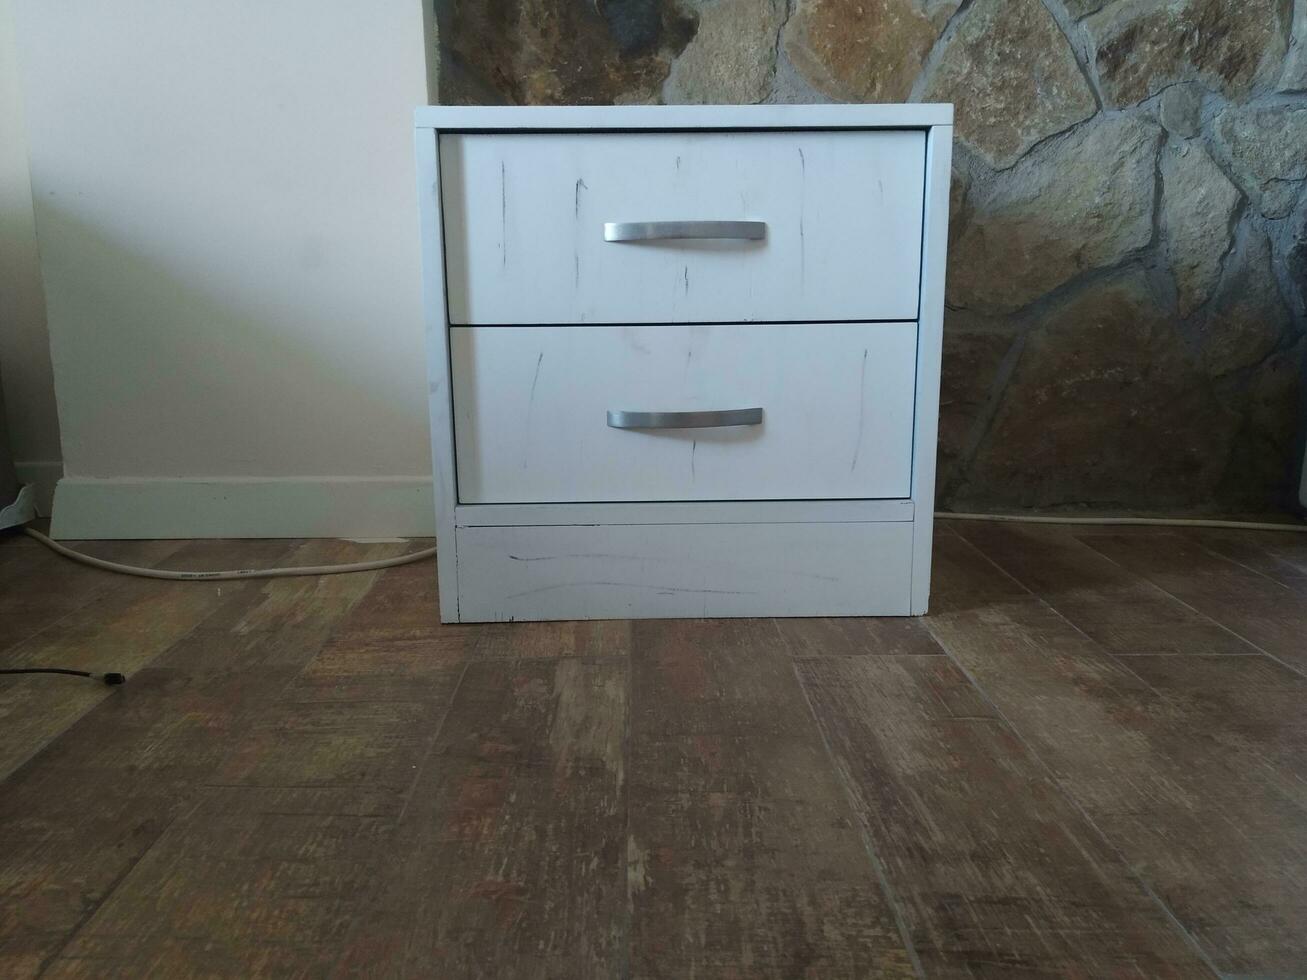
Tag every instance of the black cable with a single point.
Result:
(110, 678)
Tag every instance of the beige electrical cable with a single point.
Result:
(1127, 521)
(243, 573)
(425, 553)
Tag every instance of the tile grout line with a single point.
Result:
(197, 789)
(627, 947)
(111, 583)
(1128, 866)
(1123, 659)
(104, 693)
(420, 768)
(408, 799)
(1051, 775)
(882, 878)
(1302, 672)
(422, 763)
(1119, 660)
(1244, 565)
(57, 953)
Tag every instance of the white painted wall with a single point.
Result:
(24, 344)
(225, 200)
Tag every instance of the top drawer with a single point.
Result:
(525, 216)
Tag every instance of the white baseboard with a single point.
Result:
(293, 507)
(42, 475)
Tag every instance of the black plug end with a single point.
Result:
(112, 679)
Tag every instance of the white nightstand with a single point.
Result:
(684, 361)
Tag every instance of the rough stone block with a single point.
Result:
(1082, 203)
(1106, 406)
(1142, 46)
(1180, 109)
(1267, 146)
(564, 52)
(974, 350)
(864, 50)
(1249, 318)
(732, 57)
(1013, 77)
(1198, 205)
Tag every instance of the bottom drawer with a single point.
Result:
(538, 412)
(684, 570)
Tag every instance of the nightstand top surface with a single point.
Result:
(680, 117)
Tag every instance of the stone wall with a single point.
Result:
(1128, 276)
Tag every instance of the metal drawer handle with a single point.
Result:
(652, 231)
(684, 420)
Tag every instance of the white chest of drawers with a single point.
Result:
(684, 361)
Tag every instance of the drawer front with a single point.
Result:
(525, 217)
(678, 570)
(538, 412)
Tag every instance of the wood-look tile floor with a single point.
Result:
(1089, 760)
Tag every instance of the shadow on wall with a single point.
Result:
(1128, 275)
(142, 329)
